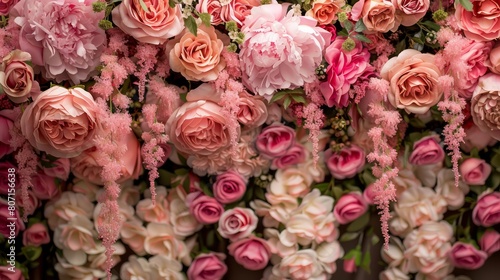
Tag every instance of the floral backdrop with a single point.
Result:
(152, 139)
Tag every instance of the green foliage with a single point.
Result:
(191, 25)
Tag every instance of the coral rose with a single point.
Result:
(413, 78)
(62, 122)
(197, 58)
(325, 11)
(16, 77)
(280, 51)
(485, 106)
(153, 26)
(466, 256)
(482, 23)
(486, 213)
(377, 15)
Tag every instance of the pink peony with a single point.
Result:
(350, 207)
(490, 242)
(229, 187)
(155, 26)
(207, 267)
(204, 208)
(280, 51)
(466, 256)
(486, 213)
(36, 235)
(62, 36)
(427, 151)
(346, 163)
(482, 23)
(344, 69)
(475, 171)
(252, 253)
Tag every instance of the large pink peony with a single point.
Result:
(155, 26)
(280, 51)
(62, 36)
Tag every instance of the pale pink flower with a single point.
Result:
(237, 223)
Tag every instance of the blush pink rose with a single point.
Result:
(346, 163)
(295, 155)
(207, 267)
(62, 131)
(409, 12)
(6, 274)
(252, 253)
(493, 61)
(349, 207)
(36, 235)
(63, 37)
(413, 79)
(229, 187)
(10, 226)
(59, 168)
(463, 255)
(475, 56)
(275, 140)
(344, 69)
(6, 5)
(377, 15)
(485, 105)
(199, 128)
(154, 26)
(237, 223)
(204, 208)
(482, 23)
(44, 186)
(280, 50)
(486, 213)
(427, 151)
(253, 110)
(490, 242)
(6, 124)
(197, 58)
(17, 77)
(475, 171)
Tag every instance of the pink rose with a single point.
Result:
(236, 10)
(474, 171)
(486, 213)
(62, 131)
(325, 11)
(85, 165)
(63, 37)
(5, 126)
(253, 110)
(349, 207)
(344, 69)
(377, 15)
(476, 138)
(17, 77)
(29, 205)
(204, 208)
(493, 61)
(350, 265)
(59, 168)
(229, 187)
(482, 23)
(275, 140)
(485, 104)
(490, 242)
(237, 223)
(153, 26)
(197, 58)
(475, 56)
(413, 78)
(345, 163)
(295, 155)
(199, 128)
(409, 12)
(36, 235)
(207, 267)
(427, 151)
(463, 255)
(7, 274)
(5, 167)
(252, 253)
(44, 186)
(5, 6)
(280, 50)
(10, 227)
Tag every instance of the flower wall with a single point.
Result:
(151, 139)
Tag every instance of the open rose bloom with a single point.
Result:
(249, 139)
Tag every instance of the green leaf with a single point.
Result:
(211, 238)
(466, 4)
(206, 190)
(431, 25)
(323, 187)
(348, 25)
(359, 26)
(171, 3)
(495, 162)
(352, 254)
(400, 46)
(362, 38)
(348, 236)
(279, 95)
(205, 18)
(365, 263)
(191, 25)
(337, 192)
(375, 239)
(259, 193)
(298, 98)
(165, 177)
(143, 6)
(287, 102)
(343, 33)
(31, 253)
(359, 223)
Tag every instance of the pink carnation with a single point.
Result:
(281, 51)
(62, 36)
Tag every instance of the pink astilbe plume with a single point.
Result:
(452, 108)
(27, 162)
(383, 155)
(314, 121)
(146, 61)
(232, 63)
(230, 102)
(9, 38)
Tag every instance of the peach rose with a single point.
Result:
(133, 233)
(153, 26)
(393, 273)
(253, 110)
(62, 122)
(290, 181)
(36, 235)
(482, 23)
(412, 76)
(418, 205)
(302, 265)
(16, 77)
(160, 239)
(474, 55)
(377, 15)
(325, 11)
(77, 234)
(163, 267)
(135, 268)
(197, 58)
(485, 106)
(493, 62)
(409, 12)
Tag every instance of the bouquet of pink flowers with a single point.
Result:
(195, 139)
